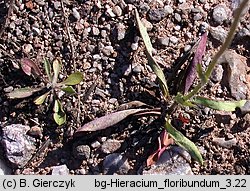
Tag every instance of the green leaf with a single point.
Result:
(219, 105)
(23, 92)
(179, 98)
(183, 142)
(56, 68)
(47, 67)
(69, 90)
(40, 99)
(73, 79)
(153, 64)
(59, 115)
(57, 106)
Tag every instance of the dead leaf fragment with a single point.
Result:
(30, 67)
(108, 120)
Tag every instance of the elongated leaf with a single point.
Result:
(59, 115)
(47, 67)
(108, 120)
(56, 68)
(73, 79)
(179, 98)
(153, 64)
(132, 104)
(57, 106)
(191, 71)
(30, 67)
(23, 92)
(219, 105)
(183, 142)
(40, 99)
(69, 90)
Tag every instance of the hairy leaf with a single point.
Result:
(69, 90)
(153, 64)
(59, 115)
(23, 92)
(56, 68)
(108, 120)
(40, 99)
(219, 105)
(47, 67)
(191, 71)
(30, 67)
(73, 79)
(183, 142)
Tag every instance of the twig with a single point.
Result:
(10, 9)
(72, 49)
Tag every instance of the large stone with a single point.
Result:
(235, 74)
(18, 145)
(116, 163)
(171, 163)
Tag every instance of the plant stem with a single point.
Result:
(220, 52)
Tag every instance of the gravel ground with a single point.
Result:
(100, 39)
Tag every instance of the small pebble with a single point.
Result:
(116, 163)
(8, 89)
(76, 14)
(187, 47)
(155, 15)
(117, 10)
(108, 50)
(217, 73)
(57, 5)
(82, 152)
(144, 8)
(95, 31)
(218, 33)
(164, 41)
(95, 144)
(110, 13)
(35, 131)
(110, 146)
(137, 69)
(225, 143)
(219, 14)
(168, 10)
(121, 31)
(134, 46)
(177, 17)
(27, 48)
(173, 39)
(197, 17)
(147, 24)
(60, 170)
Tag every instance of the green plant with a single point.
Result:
(183, 97)
(51, 87)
